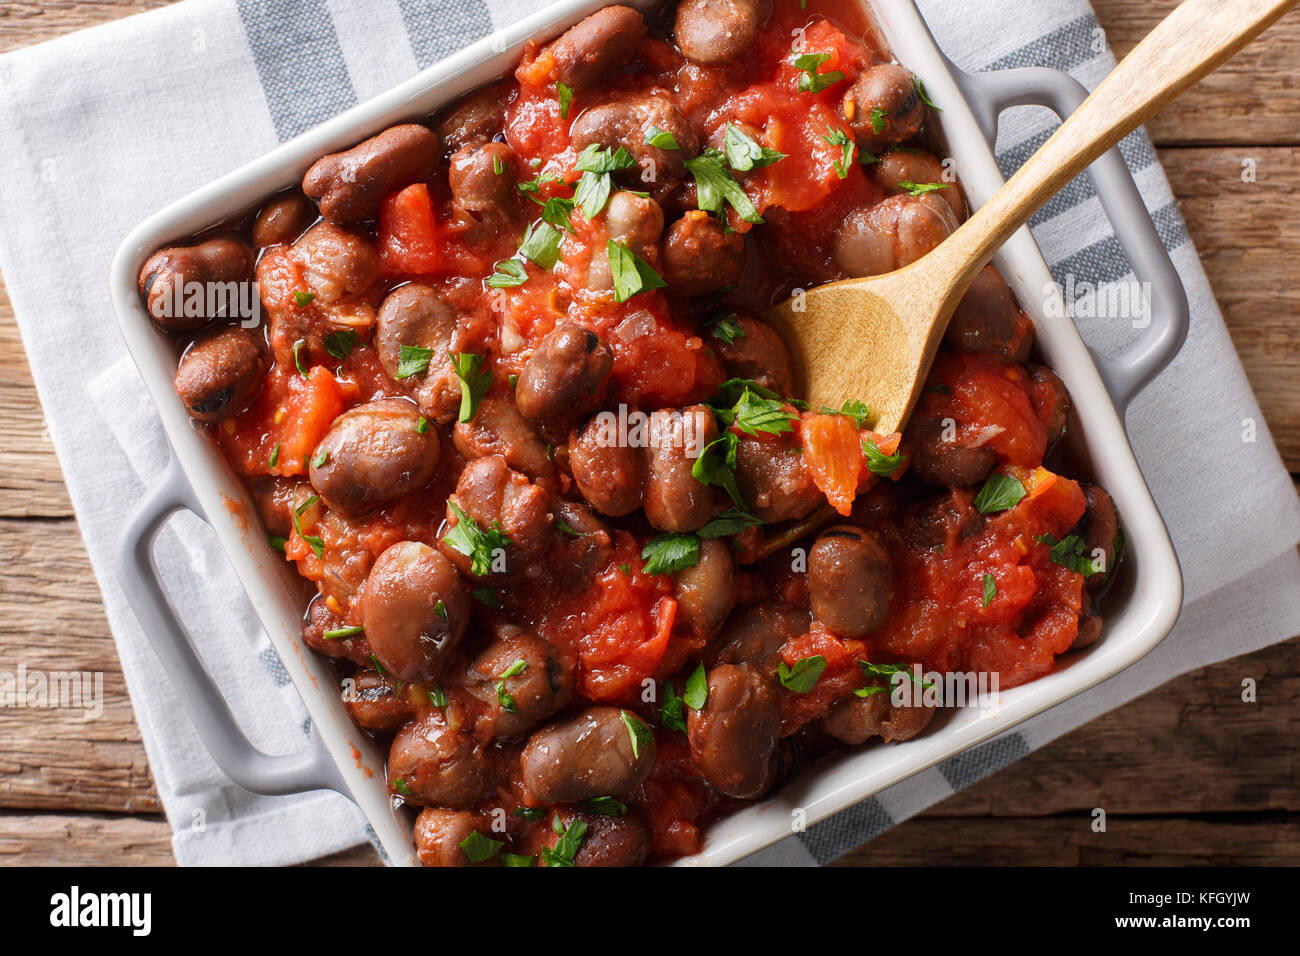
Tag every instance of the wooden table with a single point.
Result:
(1187, 773)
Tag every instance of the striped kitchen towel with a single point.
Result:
(101, 128)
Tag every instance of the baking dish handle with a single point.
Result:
(1127, 373)
(310, 768)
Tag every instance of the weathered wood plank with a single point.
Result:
(1246, 236)
(24, 22)
(57, 839)
(1253, 98)
(1243, 840)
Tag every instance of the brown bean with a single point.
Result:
(582, 546)
(1051, 400)
(855, 720)
(337, 263)
(275, 499)
(937, 461)
(755, 634)
(733, 737)
(1102, 534)
(220, 374)
(590, 51)
(415, 611)
(494, 496)
(439, 833)
(774, 481)
(607, 841)
(625, 122)
(850, 580)
(282, 220)
(608, 474)
(497, 428)
(377, 701)
(372, 454)
(706, 591)
(899, 167)
(566, 372)
(673, 499)
(716, 31)
(473, 120)
(431, 763)
(883, 97)
(701, 257)
(587, 755)
(892, 233)
(350, 186)
(419, 316)
(633, 221)
(214, 267)
(518, 703)
(482, 180)
(755, 352)
(987, 319)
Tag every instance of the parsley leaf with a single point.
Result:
(565, 94)
(487, 597)
(340, 344)
(731, 521)
(717, 466)
(303, 298)
(638, 732)
(812, 81)
(727, 329)
(660, 139)
(754, 414)
(541, 244)
(517, 860)
(413, 360)
(604, 806)
(478, 848)
(670, 553)
(744, 154)
(714, 185)
(566, 848)
(506, 701)
(837, 137)
(1068, 553)
(877, 120)
(557, 211)
(878, 463)
(508, 274)
(475, 543)
(474, 382)
(990, 589)
(673, 714)
(803, 676)
(925, 97)
(631, 273)
(999, 493)
(920, 189)
(315, 541)
(297, 356)
(596, 163)
(697, 688)
(858, 411)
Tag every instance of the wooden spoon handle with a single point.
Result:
(1188, 44)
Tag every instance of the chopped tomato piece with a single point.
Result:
(832, 452)
(408, 233)
(278, 432)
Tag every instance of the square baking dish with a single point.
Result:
(1142, 607)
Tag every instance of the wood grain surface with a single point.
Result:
(1188, 774)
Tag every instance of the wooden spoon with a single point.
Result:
(874, 338)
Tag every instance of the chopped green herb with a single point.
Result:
(999, 493)
(478, 848)
(340, 344)
(697, 688)
(531, 813)
(506, 701)
(513, 379)
(672, 714)
(887, 671)
(541, 244)
(732, 521)
(660, 139)
(925, 97)
(593, 193)
(803, 676)
(401, 787)
(990, 589)
(412, 360)
(604, 806)
(727, 329)
(498, 167)
(812, 81)
(316, 543)
(920, 189)
(670, 553)
(474, 542)
(474, 382)
(858, 411)
(877, 120)
(438, 696)
(297, 357)
(487, 597)
(508, 274)
(565, 528)
(631, 273)
(566, 848)
(866, 157)
(638, 732)
(440, 609)
(714, 185)
(338, 632)
(1068, 553)
(422, 425)
(303, 298)
(717, 466)
(515, 859)
(565, 93)
(533, 187)
(596, 164)
(878, 463)
(753, 414)
(837, 137)
(597, 159)
(744, 153)
(321, 458)
(626, 569)
(275, 456)
(557, 211)
(276, 542)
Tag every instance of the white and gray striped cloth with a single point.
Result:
(100, 128)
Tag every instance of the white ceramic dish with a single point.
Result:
(1137, 618)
